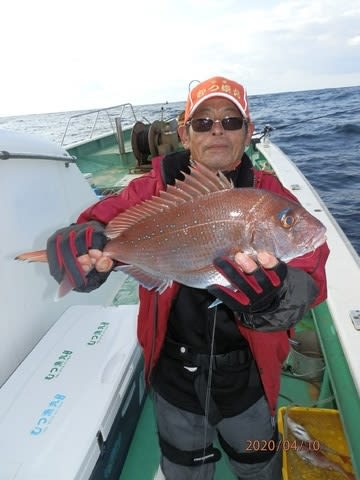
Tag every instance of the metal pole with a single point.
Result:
(120, 135)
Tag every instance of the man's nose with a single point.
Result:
(217, 128)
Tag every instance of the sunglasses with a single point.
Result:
(206, 124)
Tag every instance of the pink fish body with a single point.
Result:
(176, 236)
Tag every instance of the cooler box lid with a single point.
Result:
(67, 390)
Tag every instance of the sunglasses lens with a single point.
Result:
(232, 123)
(202, 124)
(206, 124)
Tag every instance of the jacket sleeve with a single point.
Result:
(314, 265)
(300, 292)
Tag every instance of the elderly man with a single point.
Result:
(213, 371)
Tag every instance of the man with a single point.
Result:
(212, 370)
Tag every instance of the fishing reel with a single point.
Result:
(150, 140)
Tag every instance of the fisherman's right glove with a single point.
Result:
(66, 244)
(252, 294)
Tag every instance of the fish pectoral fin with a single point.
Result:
(64, 288)
(148, 280)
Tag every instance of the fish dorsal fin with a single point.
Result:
(201, 181)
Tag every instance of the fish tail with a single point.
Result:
(36, 256)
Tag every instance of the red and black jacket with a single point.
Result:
(269, 349)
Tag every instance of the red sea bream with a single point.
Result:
(176, 236)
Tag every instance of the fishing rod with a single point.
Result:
(268, 128)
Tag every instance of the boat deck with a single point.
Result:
(105, 166)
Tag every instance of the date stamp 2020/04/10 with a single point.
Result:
(276, 446)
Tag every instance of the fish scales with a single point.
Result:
(188, 235)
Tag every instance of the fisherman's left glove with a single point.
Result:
(253, 293)
(66, 244)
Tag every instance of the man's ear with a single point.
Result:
(182, 133)
(185, 137)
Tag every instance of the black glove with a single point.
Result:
(254, 292)
(66, 244)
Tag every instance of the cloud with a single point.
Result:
(354, 41)
(78, 54)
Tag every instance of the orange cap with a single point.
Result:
(217, 87)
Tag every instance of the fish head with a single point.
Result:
(289, 230)
(298, 430)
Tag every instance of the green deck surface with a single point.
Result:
(102, 159)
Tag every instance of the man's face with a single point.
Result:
(218, 149)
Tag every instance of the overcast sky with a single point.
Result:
(82, 54)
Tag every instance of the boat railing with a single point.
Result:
(98, 121)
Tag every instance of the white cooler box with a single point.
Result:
(70, 409)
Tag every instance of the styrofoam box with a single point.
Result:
(66, 391)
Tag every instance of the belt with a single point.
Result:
(180, 351)
(187, 356)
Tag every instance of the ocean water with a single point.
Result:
(318, 129)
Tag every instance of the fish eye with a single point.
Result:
(287, 220)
